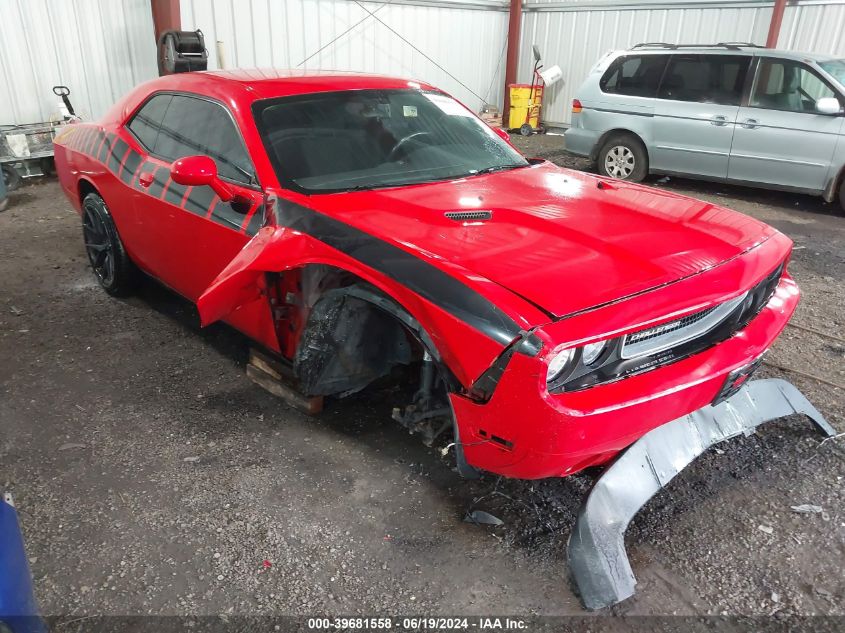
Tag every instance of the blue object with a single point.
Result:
(18, 609)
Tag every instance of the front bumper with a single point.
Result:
(597, 558)
(527, 433)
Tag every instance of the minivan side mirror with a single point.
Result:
(828, 105)
(197, 171)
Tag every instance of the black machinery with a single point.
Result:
(181, 52)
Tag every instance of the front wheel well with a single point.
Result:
(85, 187)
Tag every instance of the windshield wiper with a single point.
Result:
(494, 168)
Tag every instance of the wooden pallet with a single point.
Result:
(277, 378)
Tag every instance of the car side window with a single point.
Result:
(194, 126)
(715, 79)
(636, 75)
(781, 84)
(145, 123)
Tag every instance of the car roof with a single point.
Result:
(263, 83)
(728, 49)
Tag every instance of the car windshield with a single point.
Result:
(366, 139)
(835, 68)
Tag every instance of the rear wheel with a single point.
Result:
(108, 258)
(623, 156)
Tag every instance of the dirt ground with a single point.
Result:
(153, 477)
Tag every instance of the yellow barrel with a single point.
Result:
(525, 104)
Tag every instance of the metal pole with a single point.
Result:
(514, 26)
(166, 16)
(774, 25)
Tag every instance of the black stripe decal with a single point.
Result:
(89, 142)
(225, 215)
(130, 166)
(199, 201)
(105, 149)
(256, 221)
(117, 154)
(160, 179)
(175, 193)
(426, 280)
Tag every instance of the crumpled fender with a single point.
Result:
(272, 249)
(279, 248)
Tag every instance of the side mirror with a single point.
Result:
(828, 105)
(503, 133)
(197, 171)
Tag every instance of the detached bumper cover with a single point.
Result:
(597, 557)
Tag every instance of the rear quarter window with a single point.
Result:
(146, 122)
(634, 75)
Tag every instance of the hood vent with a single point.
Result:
(469, 216)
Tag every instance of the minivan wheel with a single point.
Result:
(623, 156)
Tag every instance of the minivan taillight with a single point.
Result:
(576, 106)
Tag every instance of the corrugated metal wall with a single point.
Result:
(576, 33)
(464, 41)
(100, 49)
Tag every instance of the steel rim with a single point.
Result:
(98, 246)
(620, 162)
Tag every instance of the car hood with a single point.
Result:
(563, 240)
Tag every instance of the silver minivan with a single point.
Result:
(729, 112)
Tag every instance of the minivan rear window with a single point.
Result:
(635, 75)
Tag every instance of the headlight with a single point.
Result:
(577, 367)
(559, 364)
(591, 352)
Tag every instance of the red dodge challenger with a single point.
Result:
(355, 224)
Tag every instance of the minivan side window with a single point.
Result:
(193, 126)
(715, 79)
(635, 75)
(781, 84)
(145, 123)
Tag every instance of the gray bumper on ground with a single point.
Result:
(597, 557)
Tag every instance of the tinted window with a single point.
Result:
(364, 139)
(786, 85)
(145, 123)
(705, 78)
(197, 126)
(636, 76)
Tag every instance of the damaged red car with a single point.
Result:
(354, 224)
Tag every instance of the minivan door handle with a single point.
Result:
(750, 124)
(719, 120)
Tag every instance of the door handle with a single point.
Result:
(750, 124)
(145, 179)
(719, 120)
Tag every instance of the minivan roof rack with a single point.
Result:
(734, 46)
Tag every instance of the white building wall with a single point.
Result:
(462, 44)
(100, 49)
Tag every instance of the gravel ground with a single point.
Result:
(153, 478)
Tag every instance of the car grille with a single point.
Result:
(667, 335)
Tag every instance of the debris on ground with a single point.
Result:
(481, 517)
(807, 508)
(766, 528)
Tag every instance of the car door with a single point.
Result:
(186, 235)
(697, 105)
(780, 138)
